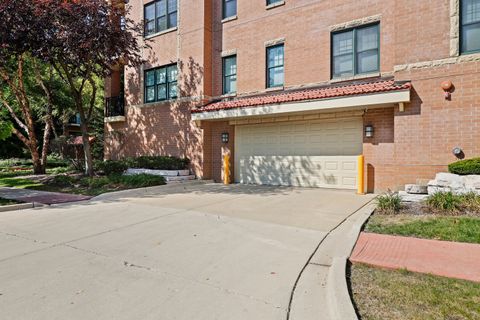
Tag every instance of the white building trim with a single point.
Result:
(360, 101)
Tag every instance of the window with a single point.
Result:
(230, 74)
(275, 68)
(355, 51)
(269, 2)
(229, 8)
(161, 83)
(160, 15)
(470, 26)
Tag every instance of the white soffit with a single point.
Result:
(359, 101)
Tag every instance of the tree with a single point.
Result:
(81, 40)
(21, 80)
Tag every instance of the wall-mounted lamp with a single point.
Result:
(458, 152)
(447, 87)
(225, 137)
(369, 131)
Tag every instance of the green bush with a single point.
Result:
(160, 163)
(62, 181)
(138, 180)
(464, 167)
(95, 182)
(110, 167)
(445, 201)
(56, 161)
(15, 162)
(389, 203)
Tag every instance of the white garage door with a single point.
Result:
(315, 153)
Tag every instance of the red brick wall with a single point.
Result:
(418, 143)
(407, 145)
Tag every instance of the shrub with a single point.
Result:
(464, 167)
(95, 182)
(62, 181)
(445, 201)
(389, 203)
(159, 163)
(55, 161)
(139, 180)
(110, 167)
(471, 201)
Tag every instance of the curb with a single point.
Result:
(329, 263)
(20, 206)
(341, 304)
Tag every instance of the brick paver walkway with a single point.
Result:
(443, 258)
(44, 197)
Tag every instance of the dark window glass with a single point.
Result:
(229, 8)
(272, 1)
(367, 50)
(150, 18)
(275, 67)
(355, 51)
(470, 28)
(160, 15)
(161, 83)
(230, 74)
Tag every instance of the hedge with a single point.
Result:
(145, 162)
(464, 167)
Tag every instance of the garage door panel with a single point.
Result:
(299, 171)
(308, 153)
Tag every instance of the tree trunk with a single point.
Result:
(85, 138)
(87, 151)
(38, 167)
(46, 143)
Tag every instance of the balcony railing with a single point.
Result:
(114, 106)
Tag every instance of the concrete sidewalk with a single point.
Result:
(43, 197)
(442, 258)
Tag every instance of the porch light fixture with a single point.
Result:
(369, 131)
(447, 87)
(225, 137)
(458, 152)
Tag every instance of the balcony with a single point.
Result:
(114, 109)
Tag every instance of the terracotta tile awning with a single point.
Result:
(327, 92)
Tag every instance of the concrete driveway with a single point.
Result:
(199, 251)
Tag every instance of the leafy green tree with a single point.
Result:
(24, 90)
(80, 40)
(6, 129)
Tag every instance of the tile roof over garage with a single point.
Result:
(326, 92)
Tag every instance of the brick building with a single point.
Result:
(295, 90)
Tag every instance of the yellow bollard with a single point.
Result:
(360, 179)
(226, 169)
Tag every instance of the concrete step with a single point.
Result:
(164, 173)
(170, 179)
(408, 197)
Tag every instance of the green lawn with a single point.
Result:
(460, 228)
(17, 182)
(392, 295)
